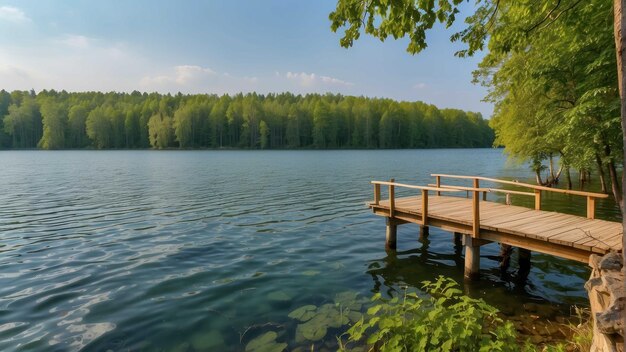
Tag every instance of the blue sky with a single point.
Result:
(219, 47)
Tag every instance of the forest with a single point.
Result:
(62, 120)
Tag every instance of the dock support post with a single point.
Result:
(391, 234)
(424, 232)
(457, 239)
(472, 257)
(523, 259)
(505, 256)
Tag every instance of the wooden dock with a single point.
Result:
(481, 221)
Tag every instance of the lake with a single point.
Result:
(205, 250)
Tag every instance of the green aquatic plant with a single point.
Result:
(315, 321)
(445, 320)
(266, 343)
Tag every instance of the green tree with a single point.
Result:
(321, 124)
(265, 132)
(76, 126)
(160, 131)
(54, 119)
(219, 121)
(99, 128)
(23, 122)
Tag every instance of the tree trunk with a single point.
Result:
(617, 193)
(558, 174)
(619, 27)
(569, 178)
(538, 178)
(601, 173)
(551, 179)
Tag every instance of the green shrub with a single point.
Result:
(445, 320)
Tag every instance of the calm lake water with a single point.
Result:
(206, 250)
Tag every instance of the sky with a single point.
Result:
(221, 46)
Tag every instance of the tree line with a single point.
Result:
(61, 120)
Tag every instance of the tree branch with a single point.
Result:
(493, 15)
(544, 19)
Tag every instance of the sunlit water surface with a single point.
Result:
(204, 250)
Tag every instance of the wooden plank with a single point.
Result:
(537, 223)
(539, 246)
(581, 225)
(541, 230)
(522, 225)
(599, 239)
(497, 221)
(512, 217)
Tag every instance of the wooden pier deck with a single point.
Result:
(481, 221)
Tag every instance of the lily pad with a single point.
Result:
(266, 343)
(348, 299)
(330, 315)
(313, 330)
(303, 313)
(280, 296)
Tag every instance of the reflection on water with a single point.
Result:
(204, 250)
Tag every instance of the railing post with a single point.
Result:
(537, 199)
(438, 183)
(424, 207)
(392, 199)
(475, 211)
(376, 193)
(591, 207)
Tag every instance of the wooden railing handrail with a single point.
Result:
(427, 188)
(527, 185)
(507, 191)
(495, 190)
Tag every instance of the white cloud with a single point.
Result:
(310, 80)
(72, 62)
(76, 41)
(182, 75)
(198, 79)
(13, 14)
(187, 73)
(420, 86)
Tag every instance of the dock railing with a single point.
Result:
(391, 184)
(438, 187)
(536, 190)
